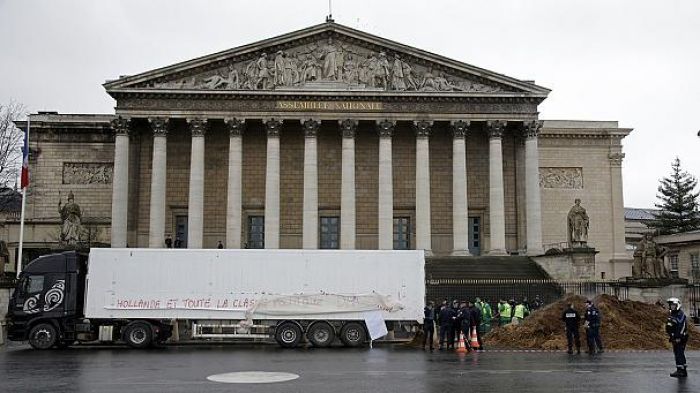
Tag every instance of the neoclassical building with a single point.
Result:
(328, 137)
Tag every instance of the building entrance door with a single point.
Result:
(181, 231)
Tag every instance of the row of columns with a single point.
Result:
(310, 237)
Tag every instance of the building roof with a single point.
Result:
(632, 213)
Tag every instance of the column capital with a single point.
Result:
(235, 126)
(121, 126)
(311, 127)
(495, 128)
(423, 128)
(348, 127)
(531, 128)
(272, 127)
(460, 128)
(385, 128)
(198, 127)
(159, 126)
(616, 158)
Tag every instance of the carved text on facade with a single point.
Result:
(87, 172)
(561, 177)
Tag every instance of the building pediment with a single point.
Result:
(327, 58)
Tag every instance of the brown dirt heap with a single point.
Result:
(625, 325)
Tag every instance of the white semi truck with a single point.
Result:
(136, 295)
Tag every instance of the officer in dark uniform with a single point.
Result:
(456, 325)
(571, 320)
(593, 321)
(429, 324)
(476, 322)
(464, 318)
(446, 319)
(677, 329)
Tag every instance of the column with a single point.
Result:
(120, 181)
(533, 207)
(310, 209)
(272, 184)
(618, 207)
(235, 184)
(156, 228)
(496, 194)
(347, 188)
(460, 207)
(195, 207)
(386, 187)
(423, 233)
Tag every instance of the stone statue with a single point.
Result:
(263, 75)
(71, 217)
(381, 72)
(350, 72)
(648, 259)
(331, 55)
(278, 69)
(397, 77)
(217, 81)
(577, 221)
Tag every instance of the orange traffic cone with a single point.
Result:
(474, 342)
(461, 348)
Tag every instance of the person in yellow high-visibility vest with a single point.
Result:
(504, 312)
(520, 312)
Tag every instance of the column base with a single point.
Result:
(461, 253)
(497, 253)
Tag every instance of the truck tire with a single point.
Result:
(321, 334)
(138, 334)
(353, 334)
(288, 334)
(43, 336)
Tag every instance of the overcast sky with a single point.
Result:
(636, 61)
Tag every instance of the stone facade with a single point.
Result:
(498, 115)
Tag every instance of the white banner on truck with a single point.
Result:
(375, 324)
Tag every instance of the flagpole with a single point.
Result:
(24, 203)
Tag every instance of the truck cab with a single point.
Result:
(48, 300)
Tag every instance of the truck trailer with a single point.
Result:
(136, 296)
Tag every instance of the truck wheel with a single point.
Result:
(353, 334)
(321, 334)
(288, 335)
(43, 336)
(138, 334)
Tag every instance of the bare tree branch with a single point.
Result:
(11, 141)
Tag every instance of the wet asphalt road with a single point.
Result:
(381, 369)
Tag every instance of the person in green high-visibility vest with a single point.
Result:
(486, 315)
(520, 311)
(504, 311)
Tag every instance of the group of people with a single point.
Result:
(592, 319)
(452, 319)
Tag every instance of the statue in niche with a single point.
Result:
(648, 259)
(578, 222)
(71, 217)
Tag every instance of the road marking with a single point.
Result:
(253, 377)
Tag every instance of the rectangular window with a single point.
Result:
(695, 261)
(402, 233)
(673, 261)
(330, 233)
(474, 235)
(256, 232)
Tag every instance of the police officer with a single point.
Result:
(429, 324)
(571, 320)
(446, 319)
(456, 325)
(476, 316)
(593, 321)
(677, 329)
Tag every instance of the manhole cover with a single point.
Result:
(252, 377)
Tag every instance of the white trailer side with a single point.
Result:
(222, 284)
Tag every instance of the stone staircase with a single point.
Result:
(490, 277)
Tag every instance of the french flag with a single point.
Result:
(25, 161)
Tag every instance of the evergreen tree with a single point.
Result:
(678, 202)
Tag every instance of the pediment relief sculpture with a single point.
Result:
(328, 64)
